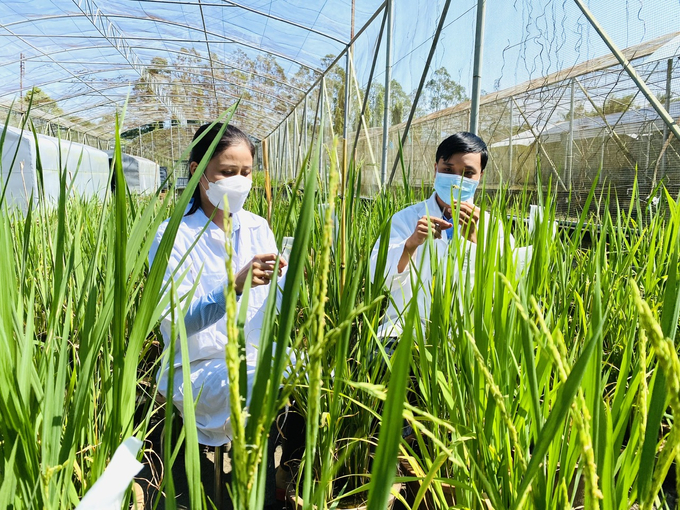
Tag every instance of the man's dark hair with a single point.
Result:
(232, 136)
(462, 142)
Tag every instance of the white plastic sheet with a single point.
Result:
(107, 493)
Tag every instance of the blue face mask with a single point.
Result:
(461, 189)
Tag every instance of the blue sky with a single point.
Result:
(524, 39)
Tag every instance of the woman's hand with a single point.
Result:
(263, 266)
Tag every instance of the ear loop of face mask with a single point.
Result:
(206, 180)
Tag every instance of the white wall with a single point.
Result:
(149, 176)
(89, 175)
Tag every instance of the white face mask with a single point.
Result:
(236, 189)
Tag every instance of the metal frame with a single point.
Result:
(477, 69)
(423, 77)
(112, 33)
(388, 83)
(254, 11)
(342, 53)
(290, 139)
(656, 104)
(167, 50)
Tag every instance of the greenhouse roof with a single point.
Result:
(181, 60)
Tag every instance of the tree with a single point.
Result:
(400, 104)
(579, 111)
(441, 91)
(616, 104)
(40, 100)
(335, 93)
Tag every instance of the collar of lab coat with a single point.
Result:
(240, 219)
(432, 206)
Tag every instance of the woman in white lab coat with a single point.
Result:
(229, 172)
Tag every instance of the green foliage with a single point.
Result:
(400, 104)
(532, 385)
(441, 91)
(42, 101)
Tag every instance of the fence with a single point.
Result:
(579, 122)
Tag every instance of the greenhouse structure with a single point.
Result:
(366, 254)
(22, 180)
(141, 175)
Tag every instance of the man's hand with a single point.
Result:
(263, 269)
(427, 225)
(468, 219)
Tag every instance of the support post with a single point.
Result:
(22, 70)
(296, 143)
(361, 121)
(286, 149)
(477, 71)
(669, 76)
(267, 178)
(172, 149)
(305, 127)
(279, 153)
(346, 113)
(433, 47)
(512, 129)
(322, 98)
(343, 176)
(386, 102)
(656, 104)
(570, 147)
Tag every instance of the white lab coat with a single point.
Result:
(417, 277)
(207, 347)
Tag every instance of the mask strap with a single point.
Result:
(206, 180)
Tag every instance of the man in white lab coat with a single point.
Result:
(459, 165)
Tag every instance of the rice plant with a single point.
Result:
(549, 382)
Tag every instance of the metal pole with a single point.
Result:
(172, 149)
(650, 125)
(386, 102)
(279, 152)
(286, 152)
(656, 104)
(342, 53)
(306, 127)
(345, 122)
(367, 92)
(322, 86)
(477, 72)
(423, 77)
(22, 70)
(512, 128)
(570, 148)
(296, 142)
(669, 75)
(346, 117)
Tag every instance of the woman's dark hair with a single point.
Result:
(462, 142)
(232, 136)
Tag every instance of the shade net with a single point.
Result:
(556, 105)
(176, 60)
